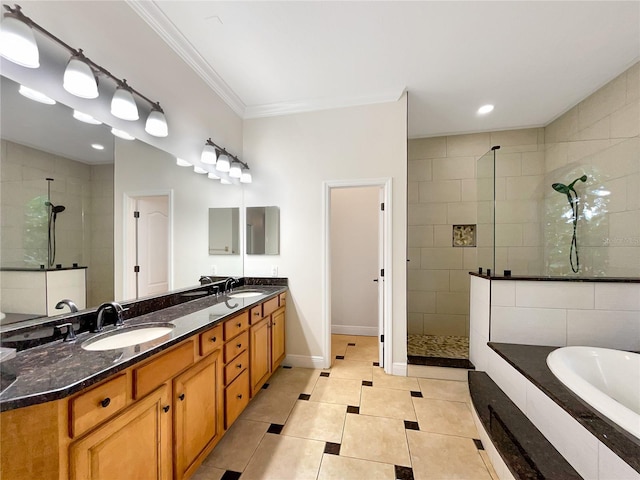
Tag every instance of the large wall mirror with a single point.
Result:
(263, 230)
(224, 231)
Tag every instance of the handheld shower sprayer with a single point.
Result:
(54, 210)
(572, 198)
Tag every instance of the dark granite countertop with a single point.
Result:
(546, 278)
(41, 269)
(531, 361)
(59, 369)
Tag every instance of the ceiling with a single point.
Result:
(533, 60)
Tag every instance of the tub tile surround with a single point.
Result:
(502, 309)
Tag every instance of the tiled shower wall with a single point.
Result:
(601, 132)
(84, 230)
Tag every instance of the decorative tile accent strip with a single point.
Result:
(339, 357)
(352, 409)
(351, 344)
(231, 475)
(332, 448)
(324, 374)
(275, 428)
(304, 396)
(478, 443)
(265, 386)
(376, 364)
(464, 236)
(416, 394)
(409, 425)
(404, 473)
(287, 367)
(367, 383)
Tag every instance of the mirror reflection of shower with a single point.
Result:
(53, 210)
(573, 199)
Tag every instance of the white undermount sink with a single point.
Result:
(245, 294)
(128, 336)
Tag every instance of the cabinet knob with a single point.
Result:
(239, 366)
(181, 396)
(256, 314)
(213, 339)
(166, 408)
(105, 403)
(238, 324)
(240, 396)
(239, 345)
(274, 323)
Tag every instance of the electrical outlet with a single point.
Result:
(274, 270)
(214, 269)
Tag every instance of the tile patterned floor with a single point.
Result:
(352, 422)
(438, 346)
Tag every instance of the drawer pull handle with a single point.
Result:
(166, 408)
(181, 396)
(238, 324)
(213, 339)
(105, 403)
(256, 313)
(240, 396)
(239, 345)
(239, 366)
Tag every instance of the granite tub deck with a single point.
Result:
(59, 369)
(530, 361)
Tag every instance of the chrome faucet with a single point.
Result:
(204, 280)
(116, 307)
(72, 306)
(229, 283)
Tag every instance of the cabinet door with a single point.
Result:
(136, 444)
(197, 400)
(260, 354)
(277, 338)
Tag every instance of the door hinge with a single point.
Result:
(382, 272)
(136, 214)
(136, 269)
(382, 338)
(382, 207)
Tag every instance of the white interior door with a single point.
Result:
(381, 276)
(153, 245)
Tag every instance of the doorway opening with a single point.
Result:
(147, 256)
(357, 287)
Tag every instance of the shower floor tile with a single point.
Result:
(438, 346)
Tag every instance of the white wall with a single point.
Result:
(140, 169)
(291, 156)
(355, 216)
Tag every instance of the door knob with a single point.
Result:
(375, 280)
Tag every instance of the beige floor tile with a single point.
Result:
(271, 406)
(487, 463)
(237, 446)
(381, 379)
(316, 421)
(300, 380)
(335, 467)
(351, 369)
(445, 417)
(445, 390)
(366, 353)
(385, 402)
(376, 439)
(279, 457)
(426, 371)
(445, 457)
(207, 472)
(343, 391)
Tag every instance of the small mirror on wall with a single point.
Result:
(224, 231)
(263, 230)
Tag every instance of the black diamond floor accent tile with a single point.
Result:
(231, 475)
(324, 374)
(416, 394)
(478, 444)
(275, 428)
(411, 425)
(287, 366)
(404, 473)
(351, 344)
(367, 383)
(352, 409)
(304, 396)
(332, 448)
(265, 386)
(376, 364)
(339, 357)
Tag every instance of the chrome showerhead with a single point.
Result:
(560, 187)
(55, 208)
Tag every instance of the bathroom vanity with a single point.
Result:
(151, 410)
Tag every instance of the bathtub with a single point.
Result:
(608, 380)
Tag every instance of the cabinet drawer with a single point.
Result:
(147, 377)
(210, 340)
(269, 306)
(236, 398)
(235, 325)
(255, 314)
(236, 367)
(283, 299)
(236, 346)
(92, 407)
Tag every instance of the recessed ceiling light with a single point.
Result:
(97, 146)
(85, 117)
(32, 94)
(122, 134)
(483, 110)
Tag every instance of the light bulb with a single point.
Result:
(483, 110)
(235, 171)
(246, 176)
(208, 155)
(123, 105)
(213, 176)
(156, 124)
(199, 170)
(223, 164)
(224, 181)
(97, 146)
(122, 134)
(32, 94)
(182, 163)
(18, 43)
(85, 117)
(79, 79)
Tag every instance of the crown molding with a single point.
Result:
(160, 23)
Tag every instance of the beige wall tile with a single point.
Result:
(603, 102)
(414, 258)
(620, 159)
(454, 168)
(414, 323)
(563, 128)
(527, 187)
(633, 83)
(427, 214)
(420, 235)
(462, 213)
(419, 170)
(517, 211)
(578, 151)
(470, 258)
(471, 144)
(633, 191)
(420, 148)
(440, 191)
(429, 280)
(413, 193)
(556, 155)
(525, 136)
(442, 236)
(533, 163)
(445, 324)
(531, 235)
(421, 302)
(508, 164)
(452, 302)
(624, 226)
(626, 121)
(469, 190)
(597, 131)
(459, 281)
(441, 258)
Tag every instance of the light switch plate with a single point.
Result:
(274, 270)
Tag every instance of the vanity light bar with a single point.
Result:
(225, 163)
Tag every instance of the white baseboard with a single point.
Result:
(354, 330)
(304, 361)
(399, 369)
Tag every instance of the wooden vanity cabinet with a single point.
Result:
(236, 347)
(277, 338)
